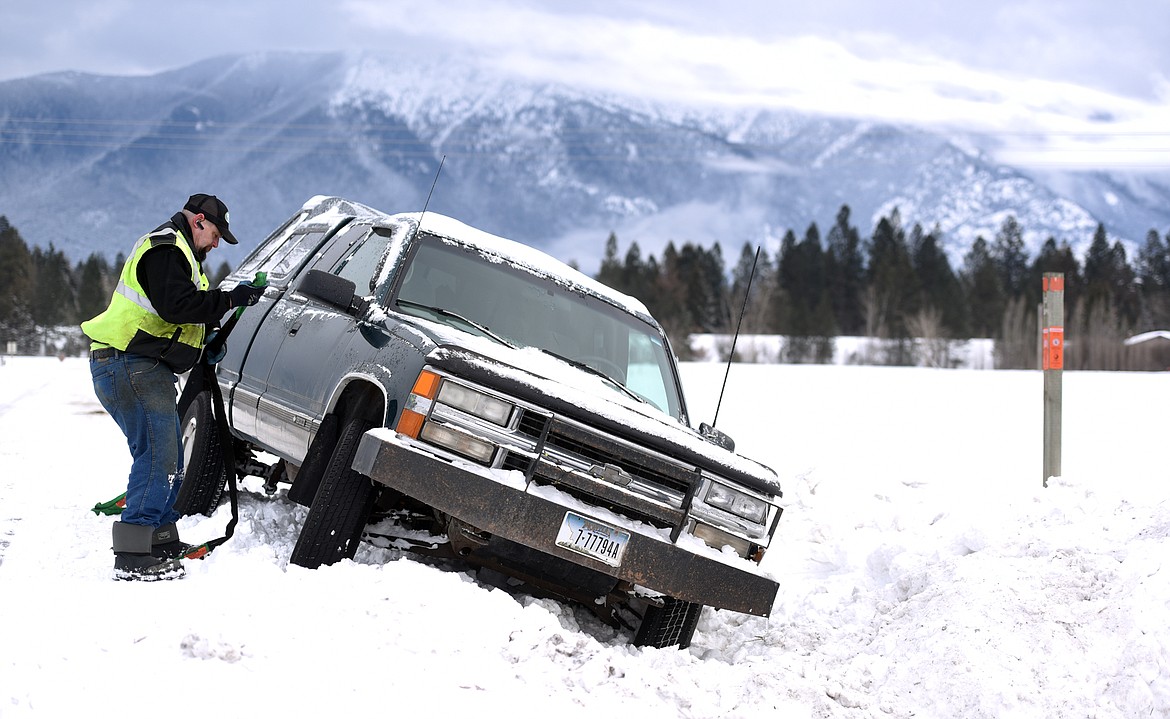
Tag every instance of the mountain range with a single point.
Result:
(90, 162)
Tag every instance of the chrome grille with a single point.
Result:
(669, 482)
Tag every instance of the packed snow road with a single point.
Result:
(924, 573)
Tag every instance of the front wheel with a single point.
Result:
(341, 507)
(204, 476)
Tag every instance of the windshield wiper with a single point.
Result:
(456, 316)
(594, 371)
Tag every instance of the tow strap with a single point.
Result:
(204, 376)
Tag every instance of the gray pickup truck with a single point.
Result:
(457, 394)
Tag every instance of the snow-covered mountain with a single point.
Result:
(89, 162)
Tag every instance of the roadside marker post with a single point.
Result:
(1052, 363)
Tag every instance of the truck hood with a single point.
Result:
(545, 381)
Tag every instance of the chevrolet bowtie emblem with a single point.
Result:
(611, 473)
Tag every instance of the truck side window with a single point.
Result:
(263, 254)
(361, 264)
(292, 253)
(281, 257)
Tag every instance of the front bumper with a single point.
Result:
(519, 516)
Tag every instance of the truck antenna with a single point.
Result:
(747, 290)
(433, 183)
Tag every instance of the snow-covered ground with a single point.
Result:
(925, 573)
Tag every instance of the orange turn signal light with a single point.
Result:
(427, 384)
(426, 387)
(410, 423)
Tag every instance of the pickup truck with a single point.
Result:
(457, 394)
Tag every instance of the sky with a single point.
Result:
(924, 572)
(1075, 83)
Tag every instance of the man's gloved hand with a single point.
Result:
(213, 352)
(244, 293)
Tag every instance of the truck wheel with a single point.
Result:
(340, 508)
(204, 476)
(671, 624)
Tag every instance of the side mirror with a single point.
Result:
(717, 437)
(333, 290)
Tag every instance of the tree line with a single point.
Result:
(899, 286)
(895, 286)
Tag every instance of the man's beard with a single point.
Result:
(201, 255)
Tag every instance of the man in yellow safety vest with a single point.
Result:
(155, 328)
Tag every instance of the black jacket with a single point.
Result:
(166, 276)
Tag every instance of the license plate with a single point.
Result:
(593, 539)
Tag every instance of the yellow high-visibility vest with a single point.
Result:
(131, 324)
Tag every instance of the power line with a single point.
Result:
(595, 144)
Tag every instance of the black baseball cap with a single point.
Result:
(214, 210)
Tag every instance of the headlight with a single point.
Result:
(431, 393)
(466, 445)
(737, 503)
(717, 538)
(477, 403)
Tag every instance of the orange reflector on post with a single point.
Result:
(1053, 355)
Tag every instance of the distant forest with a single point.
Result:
(893, 285)
(896, 285)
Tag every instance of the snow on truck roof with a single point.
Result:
(511, 251)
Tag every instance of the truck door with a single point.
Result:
(320, 346)
(251, 347)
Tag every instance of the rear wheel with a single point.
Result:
(340, 508)
(204, 475)
(669, 625)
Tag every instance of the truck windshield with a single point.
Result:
(483, 294)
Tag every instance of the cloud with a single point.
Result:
(1078, 83)
(1027, 120)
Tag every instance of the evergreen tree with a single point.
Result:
(804, 280)
(1153, 275)
(635, 280)
(986, 299)
(1124, 290)
(845, 271)
(672, 291)
(803, 277)
(1153, 263)
(1099, 261)
(756, 310)
(703, 274)
(786, 277)
(1110, 280)
(16, 271)
(937, 282)
(93, 286)
(892, 285)
(54, 295)
(1011, 259)
(611, 270)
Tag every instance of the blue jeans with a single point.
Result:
(139, 393)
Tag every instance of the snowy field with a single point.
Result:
(924, 572)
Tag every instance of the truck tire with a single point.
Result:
(204, 475)
(671, 624)
(333, 528)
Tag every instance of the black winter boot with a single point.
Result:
(165, 544)
(132, 557)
